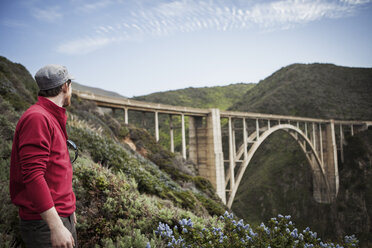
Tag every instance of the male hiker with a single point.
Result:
(40, 167)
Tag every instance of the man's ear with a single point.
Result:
(65, 87)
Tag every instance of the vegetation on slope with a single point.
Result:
(221, 97)
(313, 90)
(16, 84)
(97, 91)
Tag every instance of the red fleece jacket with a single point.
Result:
(40, 167)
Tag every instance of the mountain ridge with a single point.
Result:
(96, 90)
(312, 90)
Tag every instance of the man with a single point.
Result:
(40, 170)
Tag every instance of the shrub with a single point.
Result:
(227, 232)
(112, 213)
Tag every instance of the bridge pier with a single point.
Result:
(126, 120)
(330, 159)
(156, 126)
(183, 136)
(171, 133)
(205, 149)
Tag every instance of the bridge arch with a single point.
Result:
(312, 156)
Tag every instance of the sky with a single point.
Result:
(137, 47)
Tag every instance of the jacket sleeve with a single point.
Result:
(34, 149)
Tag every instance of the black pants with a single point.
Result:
(36, 233)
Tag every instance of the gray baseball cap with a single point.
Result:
(51, 76)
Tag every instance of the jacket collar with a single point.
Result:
(58, 112)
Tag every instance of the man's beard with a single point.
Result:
(67, 101)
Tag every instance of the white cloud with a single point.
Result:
(83, 46)
(169, 17)
(50, 14)
(356, 2)
(11, 23)
(91, 6)
(292, 12)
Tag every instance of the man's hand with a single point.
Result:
(60, 236)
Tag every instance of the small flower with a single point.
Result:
(301, 237)
(148, 245)
(189, 223)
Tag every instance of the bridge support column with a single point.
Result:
(325, 185)
(197, 143)
(232, 153)
(330, 159)
(183, 136)
(205, 150)
(156, 126)
(320, 188)
(341, 144)
(126, 116)
(171, 133)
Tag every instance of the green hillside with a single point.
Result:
(221, 97)
(313, 90)
(279, 178)
(96, 90)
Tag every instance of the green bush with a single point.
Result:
(112, 212)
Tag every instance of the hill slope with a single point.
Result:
(279, 179)
(313, 90)
(95, 90)
(220, 97)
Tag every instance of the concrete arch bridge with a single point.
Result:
(224, 165)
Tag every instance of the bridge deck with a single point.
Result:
(116, 102)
